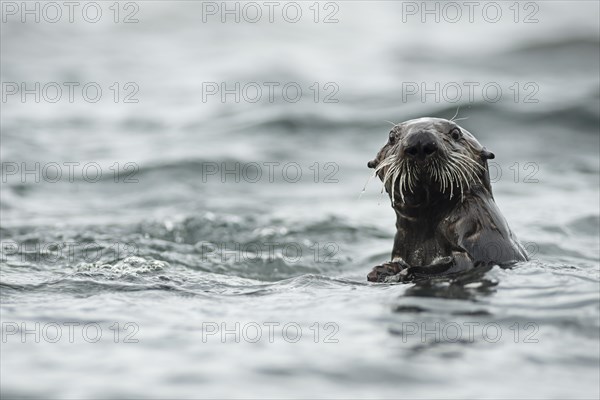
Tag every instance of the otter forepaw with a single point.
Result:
(389, 272)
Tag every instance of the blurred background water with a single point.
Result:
(175, 250)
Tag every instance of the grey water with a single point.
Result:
(175, 238)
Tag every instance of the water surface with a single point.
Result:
(166, 266)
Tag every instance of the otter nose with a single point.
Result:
(420, 146)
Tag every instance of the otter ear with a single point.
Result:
(487, 155)
(372, 163)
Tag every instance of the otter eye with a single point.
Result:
(392, 138)
(455, 133)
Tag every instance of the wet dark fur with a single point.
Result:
(440, 230)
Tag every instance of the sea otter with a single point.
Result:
(437, 178)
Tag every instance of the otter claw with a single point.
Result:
(389, 272)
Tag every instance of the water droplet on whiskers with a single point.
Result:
(366, 183)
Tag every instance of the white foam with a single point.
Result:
(128, 266)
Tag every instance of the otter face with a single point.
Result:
(431, 154)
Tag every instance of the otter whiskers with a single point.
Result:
(398, 171)
(455, 170)
(452, 171)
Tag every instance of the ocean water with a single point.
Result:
(204, 241)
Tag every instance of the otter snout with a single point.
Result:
(420, 145)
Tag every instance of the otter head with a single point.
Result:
(429, 159)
